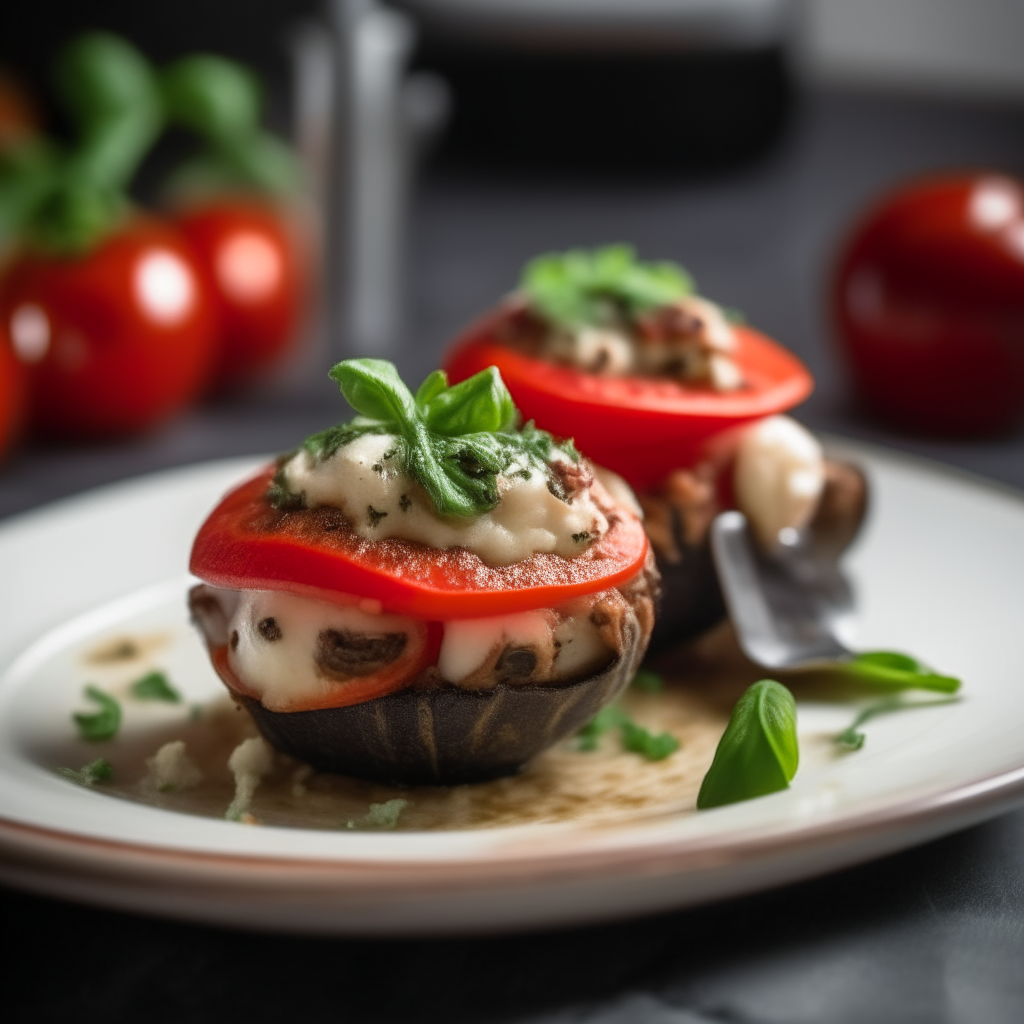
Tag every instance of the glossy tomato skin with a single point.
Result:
(253, 262)
(642, 428)
(114, 341)
(245, 544)
(928, 300)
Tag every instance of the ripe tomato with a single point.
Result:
(642, 428)
(251, 258)
(114, 341)
(246, 544)
(929, 303)
(12, 393)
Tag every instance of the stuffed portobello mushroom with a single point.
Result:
(666, 388)
(428, 593)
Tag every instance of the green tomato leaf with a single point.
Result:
(103, 724)
(216, 98)
(892, 670)
(758, 752)
(155, 686)
(478, 405)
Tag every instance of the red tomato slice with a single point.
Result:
(421, 652)
(246, 544)
(642, 428)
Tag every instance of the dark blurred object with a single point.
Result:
(929, 304)
(686, 85)
(18, 118)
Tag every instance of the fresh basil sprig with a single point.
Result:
(635, 738)
(892, 670)
(453, 440)
(600, 286)
(758, 753)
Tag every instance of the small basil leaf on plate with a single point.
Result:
(648, 681)
(383, 817)
(851, 738)
(100, 725)
(653, 746)
(155, 686)
(605, 720)
(893, 670)
(758, 752)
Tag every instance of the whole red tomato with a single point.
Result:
(929, 302)
(250, 255)
(114, 341)
(12, 394)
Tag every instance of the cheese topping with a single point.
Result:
(380, 501)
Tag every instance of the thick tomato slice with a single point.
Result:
(421, 652)
(246, 544)
(641, 428)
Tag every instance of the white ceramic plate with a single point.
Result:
(940, 572)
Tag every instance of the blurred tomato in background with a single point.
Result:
(929, 304)
(250, 255)
(12, 394)
(115, 340)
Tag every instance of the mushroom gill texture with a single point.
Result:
(436, 733)
(678, 516)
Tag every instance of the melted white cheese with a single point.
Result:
(283, 672)
(779, 477)
(381, 501)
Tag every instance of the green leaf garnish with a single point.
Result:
(892, 670)
(102, 724)
(648, 681)
(600, 286)
(89, 774)
(853, 739)
(155, 686)
(454, 440)
(382, 817)
(635, 738)
(758, 752)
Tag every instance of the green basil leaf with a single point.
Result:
(478, 405)
(893, 670)
(435, 383)
(853, 739)
(758, 753)
(102, 724)
(213, 96)
(88, 775)
(155, 686)
(608, 718)
(373, 388)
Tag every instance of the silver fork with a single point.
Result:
(792, 609)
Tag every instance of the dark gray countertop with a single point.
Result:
(934, 934)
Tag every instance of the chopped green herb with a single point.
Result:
(195, 712)
(758, 753)
(648, 681)
(380, 816)
(89, 774)
(405, 503)
(374, 516)
(655, 747)
(581, 537)
(608, 718)
(155, 686)
(635, 738)
(601, 285)
(102, 724)
(895, 671)
(453, 440)
(853, 739)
